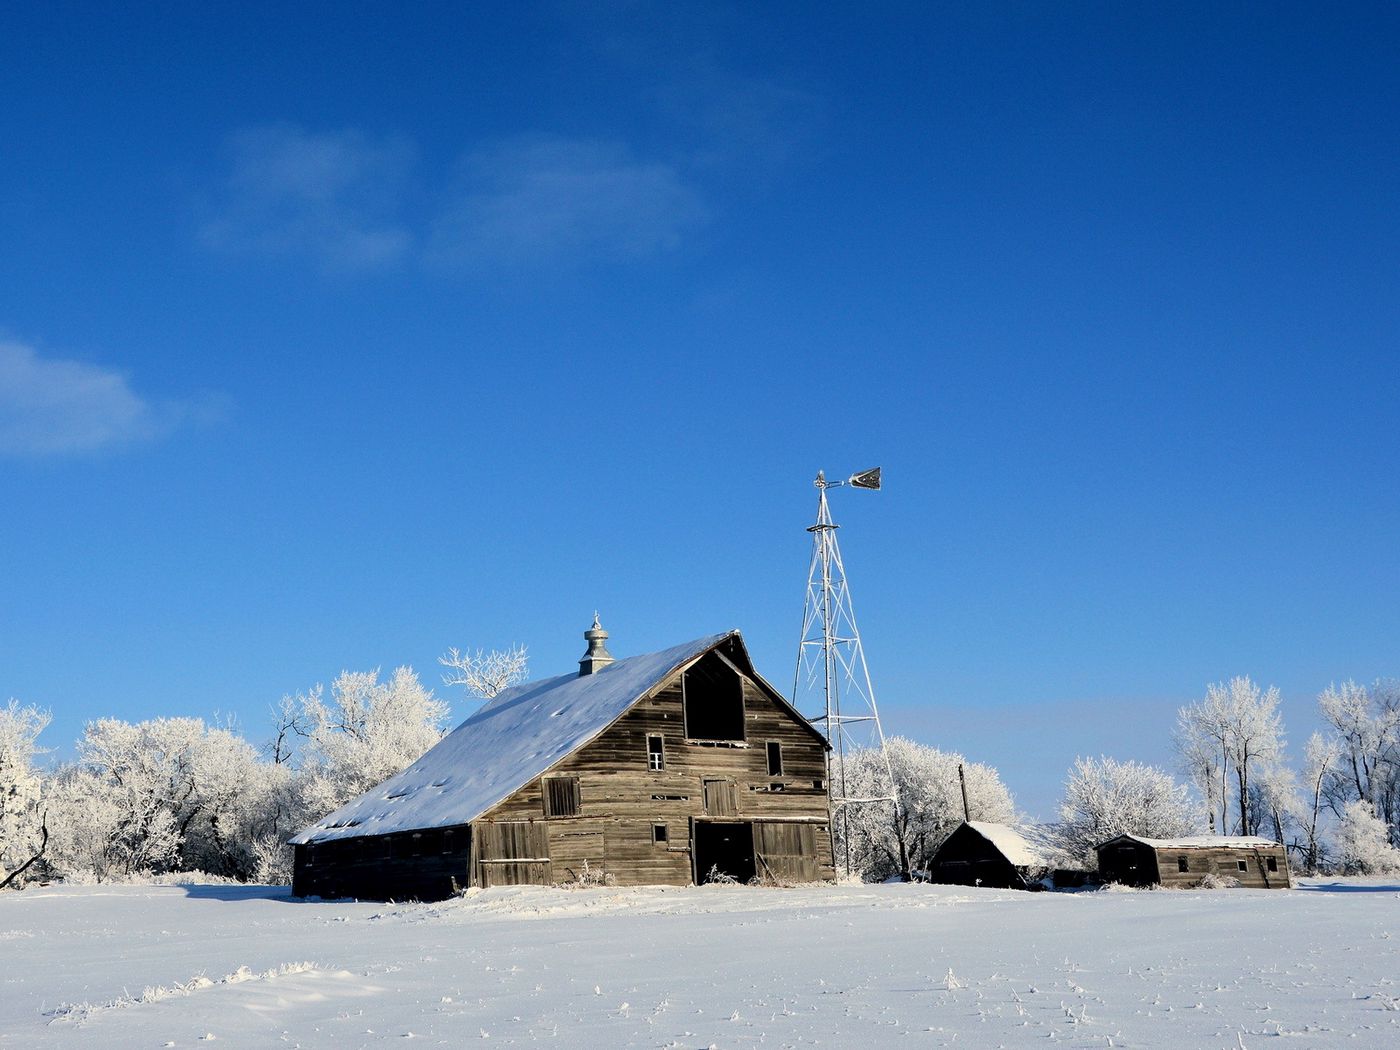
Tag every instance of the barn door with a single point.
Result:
(511, 853)
(721, 798)
(786, 851)
(723, 850)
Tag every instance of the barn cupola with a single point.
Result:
(597, 656)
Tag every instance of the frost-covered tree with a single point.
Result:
(1235, 730)
(1104, 798)
(485, 674)
(23, 829)
(1202, 741)
(104, 829)
(367, 732)
(169, 793)
(280, 810)
(1319, 757)
(229, 785)
(1255, 733)
(1366, 725)
(931, 805)
(1274, 804)
(1363, 842)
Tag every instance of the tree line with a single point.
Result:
(180, 794)
(1336, 810)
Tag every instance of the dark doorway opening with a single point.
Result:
(725, 849)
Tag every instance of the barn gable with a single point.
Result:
(519, 735)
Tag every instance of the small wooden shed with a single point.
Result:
(671, 767)
(1004, 856)
(1254, 862)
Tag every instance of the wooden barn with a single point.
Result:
(1004, 856)
(665, 768)
(1254, 862)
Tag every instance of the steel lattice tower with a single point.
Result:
(831, 668)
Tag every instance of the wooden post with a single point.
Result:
(962, 783)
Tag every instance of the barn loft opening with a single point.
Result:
(713, 693)
(775, 758)
(561, 796)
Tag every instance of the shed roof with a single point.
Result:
(507, 743)
(1025, 845)
(1199, 842)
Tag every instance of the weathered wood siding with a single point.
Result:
(1163, 865)
(786, 851)
(1225, 863)
(510, 853)
(414, 865)
(621, 799)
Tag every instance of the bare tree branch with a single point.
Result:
(485, 674)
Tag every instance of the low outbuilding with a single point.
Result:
(1248, 860)
(1004, 856)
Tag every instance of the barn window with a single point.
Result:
(775, 758)
(1181, 864)
(656, 753)
(713, 694)
(310, 856)
(1243, 866)
(447, 843)
(415, 848)
(659, 834)
(561, 796)
(1272, 862)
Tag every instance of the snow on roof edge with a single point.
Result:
(1025, 845)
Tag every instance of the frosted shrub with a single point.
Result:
(587, 877)
(1211, 881)
(1363, 843)
(715, 877)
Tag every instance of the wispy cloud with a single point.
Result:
(51, 406)
(335, 197)
(551, 199)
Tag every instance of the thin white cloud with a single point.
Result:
(332, 196)
(547, 199)
(51, 406)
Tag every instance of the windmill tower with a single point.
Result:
(832, 675)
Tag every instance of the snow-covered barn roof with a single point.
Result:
(513, 739)
(1024, 845)
(1200, 842)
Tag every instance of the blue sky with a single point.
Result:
(332, 336)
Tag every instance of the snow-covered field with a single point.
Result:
(850, 966)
